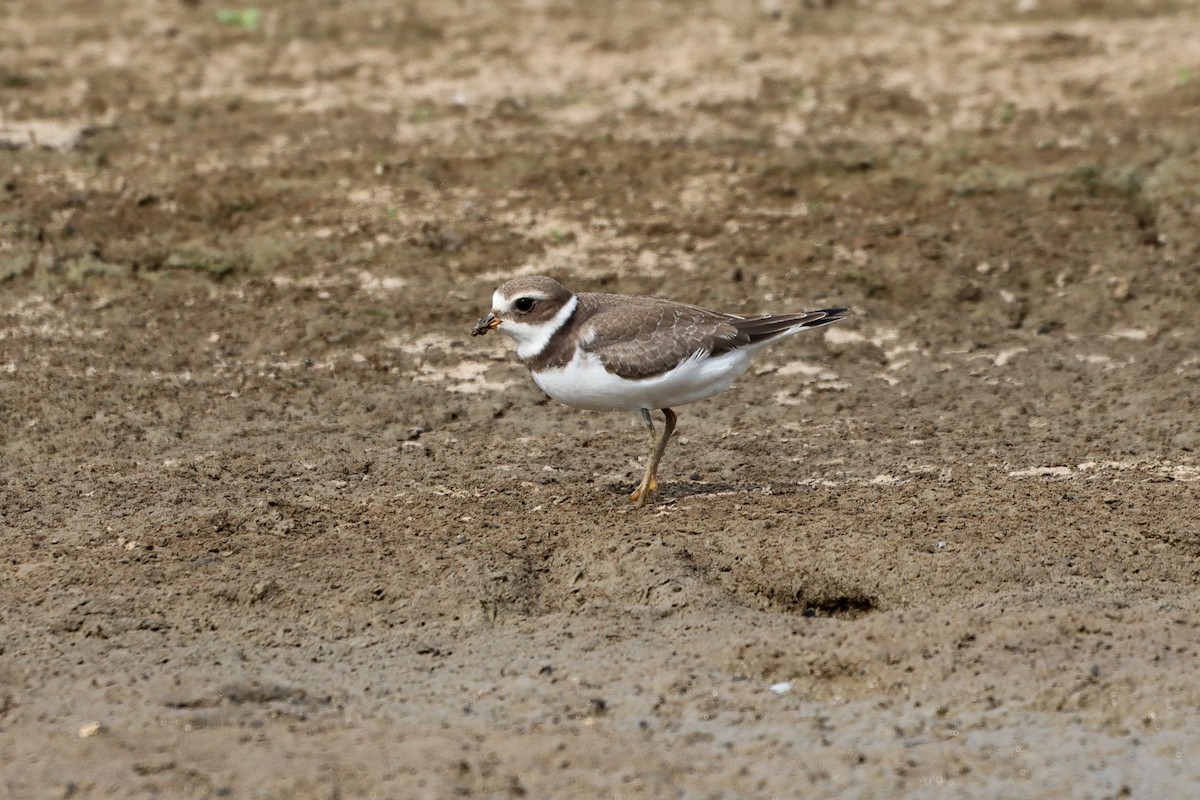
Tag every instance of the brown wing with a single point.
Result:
(638, 337)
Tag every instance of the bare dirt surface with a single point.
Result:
(275, 526)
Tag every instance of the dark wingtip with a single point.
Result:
(829, 316)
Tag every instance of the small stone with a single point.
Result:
(92, 729)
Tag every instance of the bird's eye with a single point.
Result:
(524, 304)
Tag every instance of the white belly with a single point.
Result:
(584, 383)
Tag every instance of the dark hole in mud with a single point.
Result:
(838, 604)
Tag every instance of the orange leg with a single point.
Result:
(657, 447)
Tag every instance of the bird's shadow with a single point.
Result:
(685, 489)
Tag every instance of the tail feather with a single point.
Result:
(772, 326)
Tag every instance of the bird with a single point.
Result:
(612, 352)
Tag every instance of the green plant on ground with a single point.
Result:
(245, 18)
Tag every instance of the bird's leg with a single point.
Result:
(657, 448)
(645, 488)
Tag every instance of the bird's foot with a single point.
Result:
(642, 494)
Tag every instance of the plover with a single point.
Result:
(610, 352)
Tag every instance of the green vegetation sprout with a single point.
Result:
(244, 18)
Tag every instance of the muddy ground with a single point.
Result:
(275, 526)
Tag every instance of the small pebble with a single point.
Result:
(91, 729)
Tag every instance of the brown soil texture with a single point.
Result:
(275, 526)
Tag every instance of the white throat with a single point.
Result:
(532, 339)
